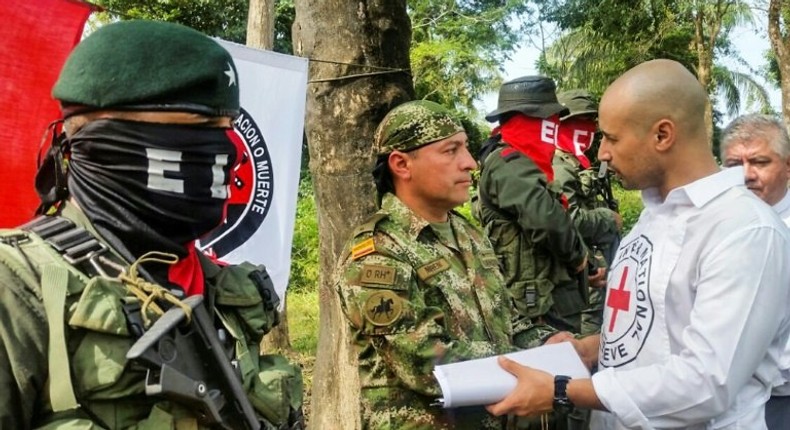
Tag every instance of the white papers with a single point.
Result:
(483, 381)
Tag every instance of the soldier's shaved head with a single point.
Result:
(661, 89)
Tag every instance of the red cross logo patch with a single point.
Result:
(629, 313)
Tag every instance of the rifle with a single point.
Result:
(613, 204)
(187, 363)
(606, 187)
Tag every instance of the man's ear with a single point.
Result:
(664, 134)
(400, 165)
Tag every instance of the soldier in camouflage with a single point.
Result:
(598, 225)
(417, 282)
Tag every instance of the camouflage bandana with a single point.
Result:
(415, 124)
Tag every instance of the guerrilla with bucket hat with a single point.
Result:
(533, 96)
(579, 102)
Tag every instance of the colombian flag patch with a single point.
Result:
(362, 249)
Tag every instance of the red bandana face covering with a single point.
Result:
(534, 137)
(575, 137)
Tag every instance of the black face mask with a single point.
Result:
(151, 187)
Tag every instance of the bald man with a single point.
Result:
(695, 317)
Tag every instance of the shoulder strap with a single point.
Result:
(49, 241)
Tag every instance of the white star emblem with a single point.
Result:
(231, 75)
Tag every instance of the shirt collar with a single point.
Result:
(783, 206)
(407, 219)
(403, 216)
(699, 192)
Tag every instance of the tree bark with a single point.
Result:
(342, 114)
(780, 43)
(260, 34)
(708, 19)
(260, 24)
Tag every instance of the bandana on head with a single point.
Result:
(576, 137)
(415, 124)
(153, 187)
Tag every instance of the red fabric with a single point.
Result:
(188, 273)
(534, 137)
(575, 137)
(37, 36)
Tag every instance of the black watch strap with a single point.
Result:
(562, 403)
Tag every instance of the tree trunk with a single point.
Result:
(260, 24)
(780, 44)
(342, 114)
(260, 34)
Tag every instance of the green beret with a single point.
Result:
(150, 65)
(579, 102)
(415, 124)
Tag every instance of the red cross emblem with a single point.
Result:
(619, 299)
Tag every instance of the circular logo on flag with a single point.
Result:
(251, 191)
(629, 313)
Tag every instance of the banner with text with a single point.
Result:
(262, 208)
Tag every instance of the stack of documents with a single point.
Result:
(483, 381)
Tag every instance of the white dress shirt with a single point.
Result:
(696, 311)
(783, 209)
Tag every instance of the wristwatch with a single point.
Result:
(562, 404)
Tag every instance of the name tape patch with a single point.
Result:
(377, 274)
(432, 268)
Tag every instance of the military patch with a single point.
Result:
(383, 308)
(376, 274)
(432, 268)
(489, 261)
(362, 249)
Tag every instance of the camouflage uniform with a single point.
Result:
(415, 300)
(110, 391)
(592, 218)
(418, 294)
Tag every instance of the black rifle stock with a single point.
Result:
(186, 363)
(606, 187)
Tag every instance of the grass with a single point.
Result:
(303, 333)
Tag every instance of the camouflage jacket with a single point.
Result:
(96, 337)
(593, 219)
(414, 301)
(537, 245)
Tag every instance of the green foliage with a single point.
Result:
(477, 132)
(226, 19)
(630, 205)
(602, 38)
(305, 249)
(458, 47)
(223, 18)
(303, 321)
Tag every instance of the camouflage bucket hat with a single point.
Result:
(149, 65)
(415, 124)
(579, 102)
(533, 96)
